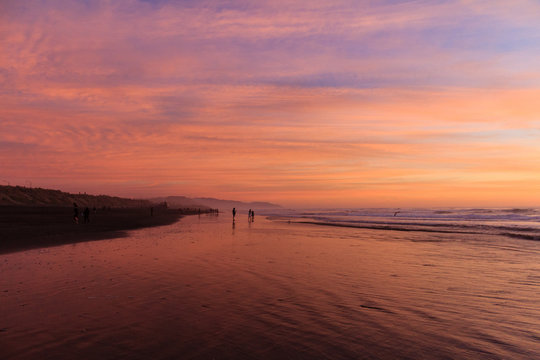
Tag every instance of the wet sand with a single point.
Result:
(202, 288)
(25, 227)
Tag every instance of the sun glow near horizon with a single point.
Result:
(385, 103)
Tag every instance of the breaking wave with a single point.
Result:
(514, 223)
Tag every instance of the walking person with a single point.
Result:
(86, 215)
(75, 213)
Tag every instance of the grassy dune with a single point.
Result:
(24, 196)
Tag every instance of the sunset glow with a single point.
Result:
(310, 103)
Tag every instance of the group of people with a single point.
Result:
(86, 214)
(251, 215)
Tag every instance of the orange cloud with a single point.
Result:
(375, 106)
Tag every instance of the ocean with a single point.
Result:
(317, 284)
(511, 222)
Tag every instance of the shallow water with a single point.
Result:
(204, 289)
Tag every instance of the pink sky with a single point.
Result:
(304, 103)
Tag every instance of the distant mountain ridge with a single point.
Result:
(183, 201)
(26, 196)
(178, 202)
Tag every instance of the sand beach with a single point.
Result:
(207, 288)
(27, 227)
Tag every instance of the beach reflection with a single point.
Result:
(276, 290)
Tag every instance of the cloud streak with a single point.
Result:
(309, 103)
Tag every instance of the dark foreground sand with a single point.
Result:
(23, 227)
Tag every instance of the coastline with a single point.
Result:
(30, 227)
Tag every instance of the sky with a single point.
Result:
(320, 103)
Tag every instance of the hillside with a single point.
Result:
(182, 201)
(239, 205)
(24, 196)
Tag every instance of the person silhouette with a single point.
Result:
(233, 213)
(75, 213)
(86, 215)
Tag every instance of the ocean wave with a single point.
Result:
(386, 227)
(534, 237)
(525, 215)
(478, 226)
(534, 234)
(520, 211)
(519, 223)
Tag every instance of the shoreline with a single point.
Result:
(30, 227)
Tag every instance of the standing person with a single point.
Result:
(75, 213)
(233, 213)
(249, 215)
(252, 215)
(86, 214)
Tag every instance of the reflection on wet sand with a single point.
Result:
(271, 290)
